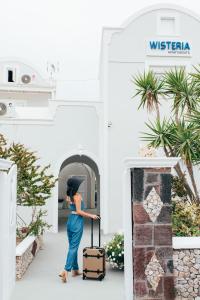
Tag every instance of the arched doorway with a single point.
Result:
(84, 167)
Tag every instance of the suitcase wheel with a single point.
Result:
(101, 277)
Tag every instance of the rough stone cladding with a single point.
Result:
(187, 273)
(152, 234)
(22, 262)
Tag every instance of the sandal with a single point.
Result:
(63, 276)
(76, 273)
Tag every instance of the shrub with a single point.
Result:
(34, 186)
(115, 252)
(178, 187)
(186, 218)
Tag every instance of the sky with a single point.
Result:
(65, 32)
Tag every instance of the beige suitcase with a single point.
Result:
(94, 259)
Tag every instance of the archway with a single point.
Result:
(85, 167)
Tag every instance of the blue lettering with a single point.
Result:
(168, 44)
(187, 46)
(173, 45)
(178, 46)
(153, 45)
(163, 46)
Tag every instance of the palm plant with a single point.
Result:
(149, 87)
(196, 78)
(194, 117)
(179, 136)
(160, 135)
(187, 145)
(175, 140)
(181, 87)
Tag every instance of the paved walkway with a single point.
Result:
(41, 281)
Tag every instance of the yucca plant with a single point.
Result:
(194, 117)
(178, 135)
(150, 88)
(181, 87)
(174, 140)
(187, 146)
(196, 78)
(161, 134)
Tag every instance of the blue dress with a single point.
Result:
(74, 232)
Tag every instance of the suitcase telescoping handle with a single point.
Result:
(92, 232)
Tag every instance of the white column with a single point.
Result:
(8, 180)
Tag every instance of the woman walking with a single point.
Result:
(74, 227)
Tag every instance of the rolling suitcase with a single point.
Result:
(94, 259)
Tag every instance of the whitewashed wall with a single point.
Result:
(72, 130)
(100, 119)
(8, 176)
(123, 55)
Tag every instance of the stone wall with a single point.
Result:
(23, 261)
(152, 234)
(187, 273)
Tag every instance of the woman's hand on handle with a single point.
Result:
(95, 217)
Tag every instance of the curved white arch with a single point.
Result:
(69, 154)
(57, 166)
(150, 8)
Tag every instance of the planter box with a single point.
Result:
(25, 253)
(186, 242)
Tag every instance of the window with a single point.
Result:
(11, 75)
(167, 25)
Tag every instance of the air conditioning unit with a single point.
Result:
(26, 79)
(7, 109)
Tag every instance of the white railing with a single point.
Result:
(8, 182)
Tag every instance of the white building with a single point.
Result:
(88, 128)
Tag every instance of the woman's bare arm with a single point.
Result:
(77, 201)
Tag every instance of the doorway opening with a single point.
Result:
(83, 167)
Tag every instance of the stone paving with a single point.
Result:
(41, 280)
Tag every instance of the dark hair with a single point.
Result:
(70, 192)
(73, 186)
